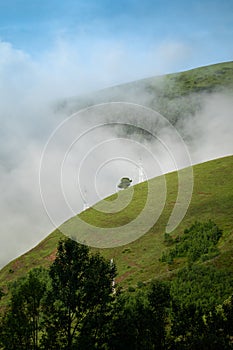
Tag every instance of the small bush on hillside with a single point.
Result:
(199, 242)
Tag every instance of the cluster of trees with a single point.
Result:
(203, 286)
(199, 242)
(73, 305)
(63, 308)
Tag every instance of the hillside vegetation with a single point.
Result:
(140, 260)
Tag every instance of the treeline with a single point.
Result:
(74, 305)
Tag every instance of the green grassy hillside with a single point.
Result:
(139, 261)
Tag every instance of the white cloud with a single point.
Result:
(210, 130)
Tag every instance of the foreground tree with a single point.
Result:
(76, 305)
(159, 303)
(219, 326)
(130, 323)
(21, 324)
(139, 319)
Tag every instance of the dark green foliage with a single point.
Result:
(202, 286)
(21, 325)
(197, 242)
(195, 292)
(130, 326)
(65, 309)
(219, 325)
(98, 290)
(140, 284)
(1, 293)
(72, 306)
(186, 326)
(193, 329)
(168, 240)
(81, 287)
(139, 319)
(159, 302)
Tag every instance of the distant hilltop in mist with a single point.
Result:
(173, 95)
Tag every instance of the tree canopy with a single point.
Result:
(72, 305)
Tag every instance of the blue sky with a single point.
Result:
(141, 38)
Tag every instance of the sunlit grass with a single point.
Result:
(139, 261)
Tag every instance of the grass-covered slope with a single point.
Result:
(139, 261)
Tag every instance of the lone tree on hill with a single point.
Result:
(125, 183)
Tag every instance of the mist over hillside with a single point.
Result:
(197, 103)
(194, 119)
